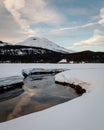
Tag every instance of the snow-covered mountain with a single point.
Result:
(44, 43)
(3, 44)
(28, 54)
(41, 50)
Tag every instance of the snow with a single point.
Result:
(10, 80)
(87, 79)
(8, 69)
(83, 113)
(43, 43)
(63, 61)
(26, 72)
(3, 44)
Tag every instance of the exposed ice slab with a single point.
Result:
(10, 80)
(26, 72)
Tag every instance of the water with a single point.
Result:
(40, 92)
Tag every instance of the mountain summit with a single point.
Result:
(43, 43)
(3, 44)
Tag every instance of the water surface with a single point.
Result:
(40, 92)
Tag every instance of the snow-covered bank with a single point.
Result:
(87, 79)
(15, 69)
(27, 72)
(10, 80)
(83, 113)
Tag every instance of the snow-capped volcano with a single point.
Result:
(3, 43)
(43, 43)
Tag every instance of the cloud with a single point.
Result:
(39, 17)
(94, 43)
(14, 7)
(101, 21)
(10, 31)
(85, 26)
(98, 32)
(74, 31)
(71, 31)
(79, 11)
(40, 12)
(95, 40)
(27, 13)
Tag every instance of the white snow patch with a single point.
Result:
(63, 61)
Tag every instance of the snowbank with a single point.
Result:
(87, 79)
(27, 72)
(10, 80)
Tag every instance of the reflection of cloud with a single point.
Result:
(18, 108)
(25, 100)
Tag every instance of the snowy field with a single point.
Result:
(7, 70)
(83, 113)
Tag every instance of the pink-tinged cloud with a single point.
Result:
(95, 40)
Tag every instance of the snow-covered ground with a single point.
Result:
(87, 79)
(15, 69)
(83, 113)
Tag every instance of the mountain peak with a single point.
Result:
(3, 43)
(44, 43)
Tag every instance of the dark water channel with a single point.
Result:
(38, 93)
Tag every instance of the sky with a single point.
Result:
(73, 24)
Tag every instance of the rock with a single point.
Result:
(79, 90)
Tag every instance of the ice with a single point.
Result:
(10, 80)
(26, 72)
